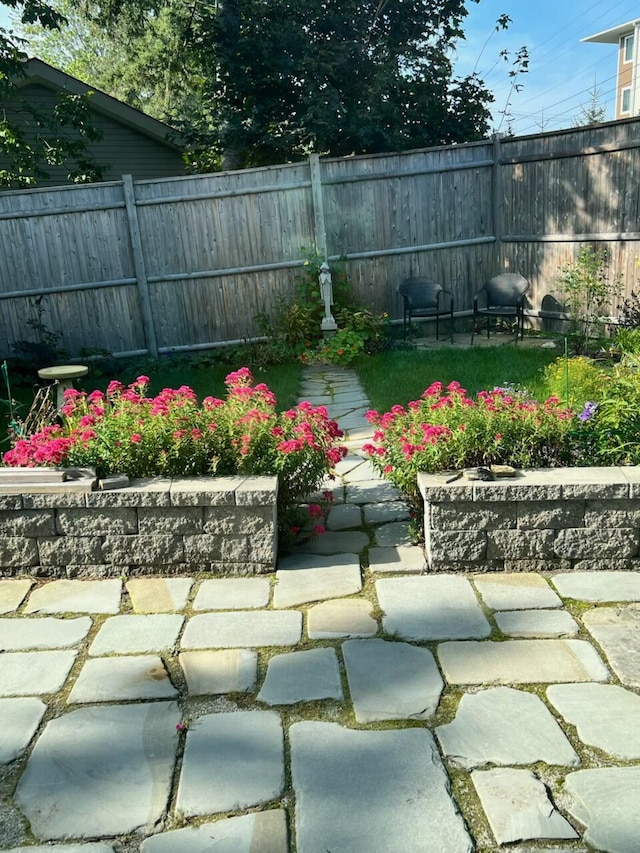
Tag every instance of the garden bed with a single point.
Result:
(157, 525)
(542, 520)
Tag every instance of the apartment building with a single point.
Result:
(627, 37)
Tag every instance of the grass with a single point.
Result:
(400, 376)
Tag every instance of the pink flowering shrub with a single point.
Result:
(445, 429)
(124, 431)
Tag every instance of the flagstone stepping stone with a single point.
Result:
(341, 617)
(34, 673)
(386, 512)
(606, 716)
(100, 771)
(431, 608)
(396, 533)
(43, 633)
(19, 721)
(408, 559)
(159, 595)
(617, 631)
(372, 493)
(521, 662)
(517, 806)
(599, 586)
(537, 623)
(227, 671)
(363, 473)
(242, 629)
(261, 832)
(520, 591)
(232, 594)
(73, 596)
(122, 678)
(391, 681)
(488, 729)
(344, 516)
(335, 542)
(12, 594)
(348, 463)
(129, 635)
(232, 761)
(301, 579)
(302, 677)
(605, 800)
(371, 790)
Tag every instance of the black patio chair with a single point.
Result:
(504, 297)
(425, 298)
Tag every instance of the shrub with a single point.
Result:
(575, 380)
(172, 434)
(446, 429)
(612, 428)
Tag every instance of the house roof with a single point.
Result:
(37, 71)
(613, 35)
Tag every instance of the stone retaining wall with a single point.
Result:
(152, 526)
(547, 519)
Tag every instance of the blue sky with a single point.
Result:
(561, 70)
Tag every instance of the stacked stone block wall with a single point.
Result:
(552, 519)
(154, 526)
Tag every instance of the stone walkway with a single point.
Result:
(350, 704)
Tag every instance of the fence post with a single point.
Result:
(139, 266)
(328, 324)
(496, 191)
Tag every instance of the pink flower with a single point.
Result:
(136, 438)
(318, 529)
(315, 511)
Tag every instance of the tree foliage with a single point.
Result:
(31, 138)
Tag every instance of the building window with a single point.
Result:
(627, 47)
(625, 100)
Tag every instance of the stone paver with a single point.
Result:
(363, 473)
(303, 579)
(372, 493)
(343, 517)
(261, 832)
(341, 617)
(431, 608)
(524, 591)
(335, 542)
(231, 761)
(19, 721)
(617, 630)
(390, 535)
(537, 623)
(363, 791)
(408, 559)
(34, 673)
(302, 677)
(242, 629)
(12, 594)
(488, 729)
(45, 633)
(227, 671)
(599, 586)
(232, 594)
(605, 716)
(391, 681)
(159, 595)
(521, 662)
(605, 800)
(385, 513)
(73, 596)
(118, 781)
(121, 679)
(517, 806)
(97, 847)
(130, 635)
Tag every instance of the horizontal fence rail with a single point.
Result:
(187, 263)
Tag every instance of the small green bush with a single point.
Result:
(575, 381)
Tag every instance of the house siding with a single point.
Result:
(122, 149)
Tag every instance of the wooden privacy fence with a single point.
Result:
(188, 262)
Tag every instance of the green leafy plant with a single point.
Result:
(612, 427)
(576, 380)
(588, 290)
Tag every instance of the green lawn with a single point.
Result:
(400, 376)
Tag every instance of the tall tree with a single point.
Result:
(30, 138)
